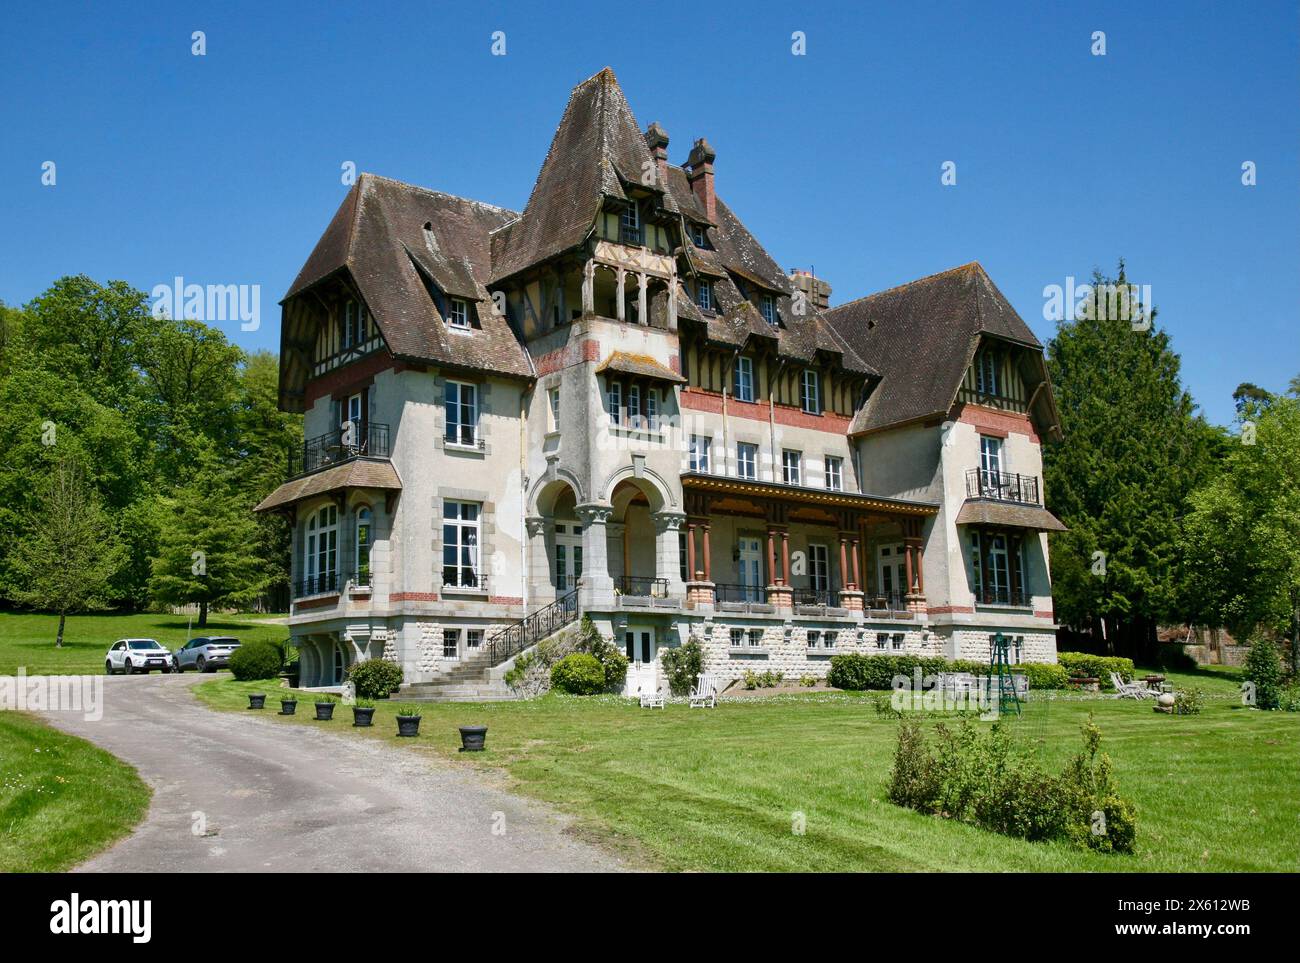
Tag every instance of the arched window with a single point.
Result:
(363, 546)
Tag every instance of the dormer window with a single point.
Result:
(988, 373)
(704, 295)
(767, 307)
(697, 236)
(629, 223)
(355, 326)
(458, 313)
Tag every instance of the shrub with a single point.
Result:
(409, 710)
(375, 678)
(1290, 700)
(256, 660)
(988, 780)
(683, 665)
(1042, 675)
(808, 681)
(578, 673)
(860, 672)
(612, 662)
(1264, 669)
(1096, 666)
(1189, 701)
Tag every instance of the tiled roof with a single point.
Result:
(922, 337)
(1008, 514)
(639, 365)
(360, 473)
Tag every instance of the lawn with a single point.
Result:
(720, 789)
(61, 799)
(28, 640)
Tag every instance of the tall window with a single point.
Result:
(629, 223)
(810, 393)
(323, 550)
(553, 396)
(746, 460)
(697, 235)
(462, 413)
(458, 313)
(615, 395)
(568, 557)
(819, 568)
(988, 373)
(473, 638)
(767, 307)
(355, 326)
(701, 446)
(835, 473)
(363, 546)
(634, 406)
(792, 467)
(681, 557)
(450, 643)
(990, 465)
(460, 543)
(744, 379)
(704, 295)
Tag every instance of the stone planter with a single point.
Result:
(288, 706)
(324, 711)
(256, 700)
(362, 715)
(472, 738)
(408, 725)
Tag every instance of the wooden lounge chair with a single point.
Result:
(651, 700)
(1129, 690)
(705, 693)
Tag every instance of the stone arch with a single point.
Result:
(548, 488)
(651, 484)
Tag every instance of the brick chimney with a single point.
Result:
(814, 288)
(700, 175)
(656, 139)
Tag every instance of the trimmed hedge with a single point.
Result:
(256, 660)
(1043, 675)
(876, 672)
(1097, 666)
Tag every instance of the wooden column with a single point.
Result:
(772, 573)
(785, 556)
(622, 288)
(690, 552)
(708, 564)
(907, 564)
(846, 577)
(857, 568)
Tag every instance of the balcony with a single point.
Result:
(327, 584)
(1002, 596)
(634, 591)
(349, 441)
(1002, 486)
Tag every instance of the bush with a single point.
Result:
(578, 673)
(862, 672)
(1042, 675)
(1096, 666)
(1264, 669)
(807, 681)
(256, 660)
(612, 662)
(987, 780)
(1189, 701)
(375, 678)
(683, 665)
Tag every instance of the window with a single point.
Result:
(652, 408)
(792, 467)
(554, 397)
(363, 546)
(698, 236)
(629, 223)
(882, 639)
(355, 326)
(461, 402)
(744, 379)
(814, 637)
(810, 392)
(458, 313)
(634, 406)
(567, 547)
(897, 640)
(700, 449)
(615, 395)
(990, 466)
(737, 638)
(450, 643)
(755, 638)
(746, 460)
(819, 568)
(460, 544)
(473, 638)
(830, 637)
(681, 557)
(835, 473)
(767, 307)
(988, 373)
(322, 550)
(704, 295)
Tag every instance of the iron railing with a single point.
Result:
(531, 629)
(655, 588)
(888, 602)
(809, 596)
(1003, 486)
(458, 580)
(1002, 596)
(316, 585)
(352, 440)
(361, 577)
(724, 592)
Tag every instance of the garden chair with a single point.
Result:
(705, 693)
(1129, 690)
(651, 700)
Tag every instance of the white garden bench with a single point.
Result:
(651, 700)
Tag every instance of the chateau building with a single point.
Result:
(616, 404)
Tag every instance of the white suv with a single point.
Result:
(137, 655)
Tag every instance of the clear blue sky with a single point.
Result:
(225, 168)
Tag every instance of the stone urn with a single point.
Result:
(1165, 702)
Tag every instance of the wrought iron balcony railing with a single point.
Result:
(348, 441)
(1002, 596)
(655, 588)
(1003, 486)
(809, 596)
(316, 585)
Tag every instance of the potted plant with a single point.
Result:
(288, 704)
(363, 711)
(408, 720)
(472, 738)
(325, 708)
(256, 700)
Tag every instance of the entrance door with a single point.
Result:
(641, 649)
(893, 571)
(750, 561)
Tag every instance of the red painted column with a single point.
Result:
(690, 551)
(708, 562)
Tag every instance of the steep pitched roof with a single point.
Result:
(379, 236)
(923, 336)
(596, 149)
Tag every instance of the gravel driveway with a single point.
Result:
(281, 798)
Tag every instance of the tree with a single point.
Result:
(1133, 449)
(207, 542)
(1242, 537)
(69, 554)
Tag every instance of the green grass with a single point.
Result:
(28, 640)
(61, 799)
(718, 789)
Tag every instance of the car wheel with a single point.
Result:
(108, 667)
(202, 664)
(176, 666)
